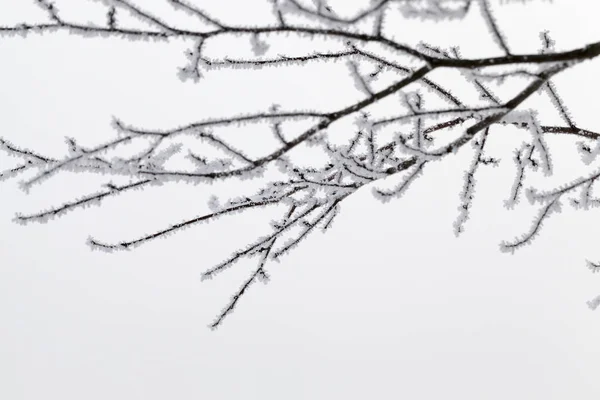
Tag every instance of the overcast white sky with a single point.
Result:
(388, 304)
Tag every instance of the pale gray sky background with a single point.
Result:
(388, 304)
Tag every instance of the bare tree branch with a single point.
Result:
(312, 195)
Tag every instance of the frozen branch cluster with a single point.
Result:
(397, 146)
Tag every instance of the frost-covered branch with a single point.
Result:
(382, 69)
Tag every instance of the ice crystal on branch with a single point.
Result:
(384, 139)
(594, 303)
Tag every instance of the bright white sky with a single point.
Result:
(388, 304)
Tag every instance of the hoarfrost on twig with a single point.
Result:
(313, 195)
